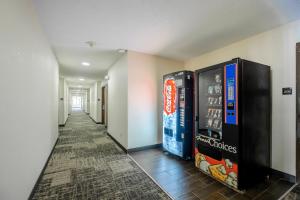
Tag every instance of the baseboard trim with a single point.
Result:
(154, 146)
(118, 143)
(94, 120)
(42, 172)
(63, 125)
(283, 175)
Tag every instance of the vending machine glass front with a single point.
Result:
(210, 103)
(172, 140)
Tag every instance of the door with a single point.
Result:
(103, 110)
(106, 106)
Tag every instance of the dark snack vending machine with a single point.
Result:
(178, 113)
(232, 133)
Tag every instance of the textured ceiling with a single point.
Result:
(177, 29)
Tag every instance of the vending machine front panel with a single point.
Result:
(178, 113)
(237, 154)
(215, 154)
(172, 140)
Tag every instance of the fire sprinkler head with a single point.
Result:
(122, 50)
(91, 43)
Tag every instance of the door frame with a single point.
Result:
(297, 112)
(106, 106)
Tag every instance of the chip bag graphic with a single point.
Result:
(218, 171)
(223, 170)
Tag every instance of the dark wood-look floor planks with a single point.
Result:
(183, 181)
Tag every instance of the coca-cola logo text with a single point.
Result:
(169, 96)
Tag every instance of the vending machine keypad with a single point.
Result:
(231, 93)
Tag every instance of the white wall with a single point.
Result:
(62, 101)
(145, 83)
(95, 94)
(88, 102)
(277, 49)
(70, 101)
(84, 101)
(28, 103)
(66, 101)
(93, 90)
(99, 102)
(117, 100)
(135, 98)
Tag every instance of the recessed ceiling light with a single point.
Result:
(122, 50)
(85, 63)
(80, 86)
(81, 79)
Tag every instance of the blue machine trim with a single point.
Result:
(231, 102)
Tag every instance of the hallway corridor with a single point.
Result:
(87, 164)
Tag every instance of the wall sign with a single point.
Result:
(287, 91)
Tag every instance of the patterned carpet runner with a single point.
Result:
(87, 164)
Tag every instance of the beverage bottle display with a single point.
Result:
(178, 113)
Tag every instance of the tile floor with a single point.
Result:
(183, 181)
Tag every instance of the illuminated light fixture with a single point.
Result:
(106, 77)
(81, 79)
(79, 85)
(85, 63)
(122, 50)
